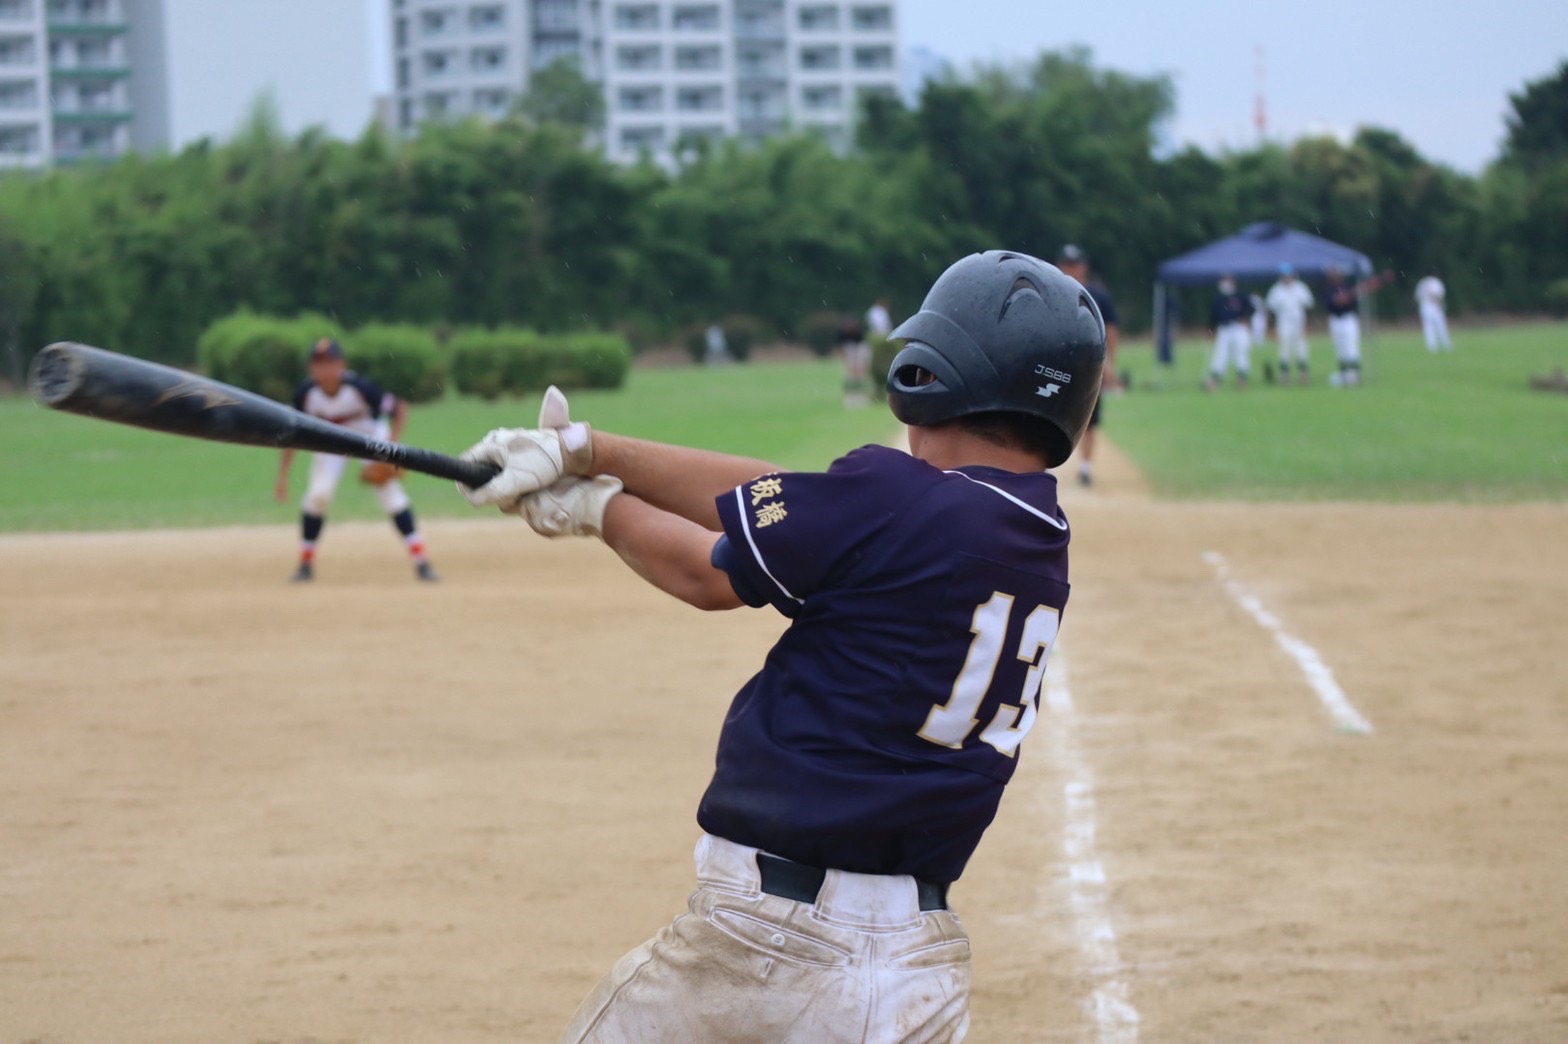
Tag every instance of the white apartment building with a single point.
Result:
(672, 71)
(64, 81)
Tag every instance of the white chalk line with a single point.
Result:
(1317, 673)
(1110, 1005)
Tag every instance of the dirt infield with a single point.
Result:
(367, 810)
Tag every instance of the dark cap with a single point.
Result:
(1072, 254)
(326, 348)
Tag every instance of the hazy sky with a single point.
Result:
(1437, 71)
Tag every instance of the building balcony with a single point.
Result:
(89, 72)
(77, 27)
(79, 116)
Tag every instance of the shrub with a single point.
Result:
(882, 353)
(1557, 297)
(404, 360)
(263, 354)
(819, 331)
(695, 338)
(512, 361)
(741, 334)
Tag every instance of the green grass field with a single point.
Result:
(1460, 427)
(1453, 427)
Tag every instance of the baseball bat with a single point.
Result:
(110, 386)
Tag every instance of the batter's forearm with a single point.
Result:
(674, 479)
(670, 552)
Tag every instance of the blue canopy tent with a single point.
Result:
(1252, 255)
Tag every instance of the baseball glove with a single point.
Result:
(379, 472)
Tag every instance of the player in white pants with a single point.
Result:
(335, 393)
(1229, 314)
(1430, 294)
(1290, 300)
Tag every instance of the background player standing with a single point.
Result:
(1430, 294)
(1290, 300)
(1072, 260)
(337, 394)
(1228, 315)
(858, 769)
(1342, 300)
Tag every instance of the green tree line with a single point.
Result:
(522, 222)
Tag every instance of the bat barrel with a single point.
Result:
(56, 374)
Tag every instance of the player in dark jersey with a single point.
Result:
(1072, 260)
(858, 769)
(335, 393)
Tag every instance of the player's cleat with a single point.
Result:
(305, 572)
(1085, 477)
(423, 572)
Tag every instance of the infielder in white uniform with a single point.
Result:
(1290, 300)
(1430, 294)
(335, 393)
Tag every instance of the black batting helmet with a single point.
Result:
(1001, 332)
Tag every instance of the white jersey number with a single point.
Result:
(950, 724)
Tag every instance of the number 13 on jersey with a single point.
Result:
(950, 724)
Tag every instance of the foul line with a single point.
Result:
(1318, 675)
(1113, 1012)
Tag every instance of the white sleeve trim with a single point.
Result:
(745, 525)
(1036, 512)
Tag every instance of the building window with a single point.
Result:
(760, 61)
(400, 32)
(641, 99)
(18, 95)
(692, 59)
(828, 97)
(439, 104)
(436, 21)
(555, 15)
(819, 57)
(550, 50)
(439, 63)
(486, 18)
(405, 113)
(873, 57)
(18, 50)
(492, 101)
(637, 16)
(15, 10)
(402, 74)
(641, 57)
(638, 139)
(487, 59)
(705, 16)
(699, 99)
(877, 18)
(818, 17)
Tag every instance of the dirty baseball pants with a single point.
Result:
(862, 964)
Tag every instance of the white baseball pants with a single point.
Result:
(1292, 342)
(1345, 330)
(1232, 347)
(326, 471)
(1434, 326)
(862, 964)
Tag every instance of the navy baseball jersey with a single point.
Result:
(884, 723)
(1341, 299)
(358, 404)
(1229, 308)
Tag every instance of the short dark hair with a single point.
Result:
(1019, 431)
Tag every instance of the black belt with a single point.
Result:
(801, 883)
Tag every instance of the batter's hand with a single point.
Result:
(571, 507)
(531, 459)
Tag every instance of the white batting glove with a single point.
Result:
(531, 459)
(571, 507)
